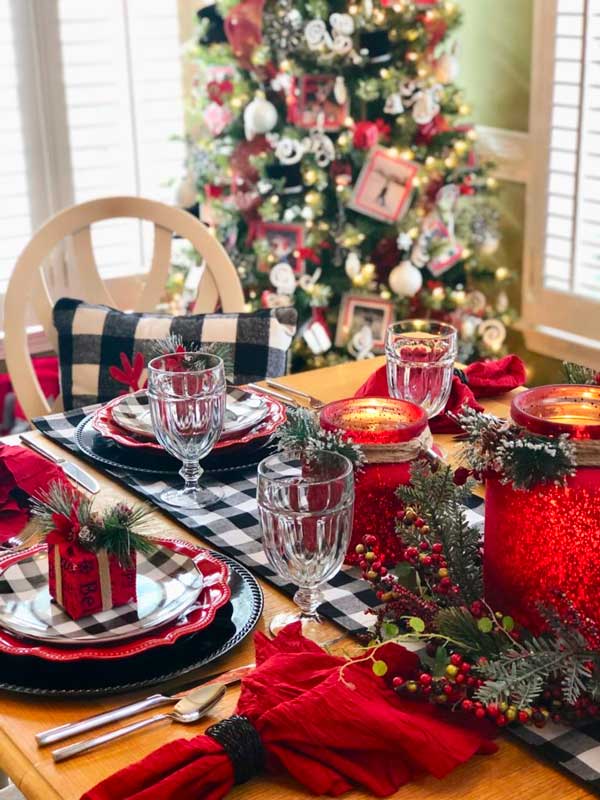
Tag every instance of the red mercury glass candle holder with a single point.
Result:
(372, 421)
(547, 539)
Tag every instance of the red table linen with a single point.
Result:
(483, 379)
(331, 733)
(22, 474)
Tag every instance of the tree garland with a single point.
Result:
(474, 658)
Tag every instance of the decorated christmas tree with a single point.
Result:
(334, 158)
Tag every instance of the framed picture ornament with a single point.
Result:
(359, 312)
(321, 102)
(447, 251)
(384, 187)
(284, 243)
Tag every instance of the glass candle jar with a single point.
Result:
(543, 543)
(392, 433)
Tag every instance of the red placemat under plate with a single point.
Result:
(214, 595)
(104, 423)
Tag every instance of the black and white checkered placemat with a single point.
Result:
(232, 527)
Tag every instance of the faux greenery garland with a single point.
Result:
(302, 432)
(474, 658)
(515, 455)
(115, 529)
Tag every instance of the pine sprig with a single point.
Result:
(438, 500)
(576, 373)
(115, 529)
(175, 343)
(460, 626)
(302, 432)
(515, 455)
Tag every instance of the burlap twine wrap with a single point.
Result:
(398, 452)
(587, 452)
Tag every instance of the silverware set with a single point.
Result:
(277, 390)
(187, 709)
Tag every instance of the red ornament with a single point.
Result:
(367, 134)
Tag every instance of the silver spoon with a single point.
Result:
(188, 710)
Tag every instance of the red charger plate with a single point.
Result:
(104, 424)
(214, 595)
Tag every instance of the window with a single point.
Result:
(91, 100)
(561, 308)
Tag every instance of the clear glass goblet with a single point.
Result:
(420, 356)
(306, 506)
(186, 393)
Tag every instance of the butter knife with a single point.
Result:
(70, 468)
(53, 735)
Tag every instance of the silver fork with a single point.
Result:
(312, 401)
(15, 542)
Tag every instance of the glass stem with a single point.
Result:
(191, 472)
(308, 600)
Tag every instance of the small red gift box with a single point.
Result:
(83, 582)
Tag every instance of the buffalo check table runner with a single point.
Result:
(231, 526)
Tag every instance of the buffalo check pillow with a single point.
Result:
(104, 352)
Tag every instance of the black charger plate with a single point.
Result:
(108, 452)
(86, 678)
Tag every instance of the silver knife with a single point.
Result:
(70, 468)
(289, 401)
(53, 735)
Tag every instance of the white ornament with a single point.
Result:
(468, 327)
(316, 34)
(404, 241)
(186, 192)
(317, 337)
(282, 82)
(282, 278)
(502, 302)
(361, 344)
(341, 45)
(491, 243)
(342, 24)
(447, 68)
(447, 197)
(352, 266)
(405, 280)
(307, 282)
(294, 18)
(492, 333)
(476, 301)
(289, 151)
(394, 104)
(321, 147)
(425, 107)
(340, 92)
(260, 116)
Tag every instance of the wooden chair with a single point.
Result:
(29, 285)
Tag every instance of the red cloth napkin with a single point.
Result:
(483, 379)
(329, 733)
(22, 474)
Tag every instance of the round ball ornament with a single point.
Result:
(260, 116)
(405, 280)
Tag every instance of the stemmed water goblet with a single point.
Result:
(305, 505)
(420, 356)
(186, 393)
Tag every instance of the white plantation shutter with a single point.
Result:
(562, 286)
(90, 99)
(123, 88)
(15, 215)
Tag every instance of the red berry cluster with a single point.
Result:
(428, 557)
(371, 558)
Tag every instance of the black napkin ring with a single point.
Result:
(240, 740)
(461, 375)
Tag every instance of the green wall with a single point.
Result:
(495, 56)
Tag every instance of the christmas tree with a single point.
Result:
(335, 160)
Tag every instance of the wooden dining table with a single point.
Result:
(513, 772)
